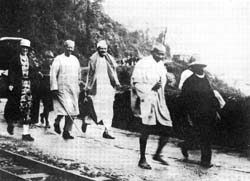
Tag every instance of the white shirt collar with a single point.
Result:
(200, 76)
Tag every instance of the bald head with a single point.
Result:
(69, 47)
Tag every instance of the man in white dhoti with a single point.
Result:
(149, 79)
(101, 84)
(64, 81)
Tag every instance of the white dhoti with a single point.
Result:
(105, 93)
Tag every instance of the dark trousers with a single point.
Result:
(68, 122)
(205, 143)
(200, 135)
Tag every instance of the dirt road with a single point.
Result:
(119, 157)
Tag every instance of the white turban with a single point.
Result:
(102, 44)
(69, 43)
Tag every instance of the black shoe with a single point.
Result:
(107, 135)
(57, 128)
(27, 137)
(144, 164)
(10, 129)
(66, 135)
(100, 123)
(159, 159)
(184, 152)
(206, 164)
(47, 126)
(84, 127)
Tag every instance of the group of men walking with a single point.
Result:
(58, 88)
(59, 81)
(196, 101)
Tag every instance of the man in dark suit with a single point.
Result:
(200, 103)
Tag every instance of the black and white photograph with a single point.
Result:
(124, 90)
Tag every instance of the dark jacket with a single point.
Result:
(12, 112)
(198, 100)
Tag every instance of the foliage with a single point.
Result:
(47, 23)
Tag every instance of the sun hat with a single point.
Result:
(196, 60)
(25, 43)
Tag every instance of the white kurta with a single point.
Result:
(105, 93)
(153, 108)
(64, 77)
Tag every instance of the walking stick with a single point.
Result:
(68, 114)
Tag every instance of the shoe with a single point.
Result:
(100, 123)
(84, 127)
(144, 164)
(27, 137)
(107, 135)
(184, 152)
(10, 129)
(159, 159)
(47, 126)
(206, 164)
(57, 128)
(67, 136)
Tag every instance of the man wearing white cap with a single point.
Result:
(64, 82)
(22, 83)
(199, 102)
(148, 80)
(102, 83)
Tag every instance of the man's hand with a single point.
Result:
(11, 87)
(156, 86)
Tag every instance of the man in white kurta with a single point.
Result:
(64, 81)
(149, 79)
(102, 83)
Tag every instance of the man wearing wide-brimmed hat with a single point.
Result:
(199, 102)
(188, 72)
(22, 84)
(148, 80)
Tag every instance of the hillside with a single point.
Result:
(48, 23)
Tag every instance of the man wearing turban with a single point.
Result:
(101, 84)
